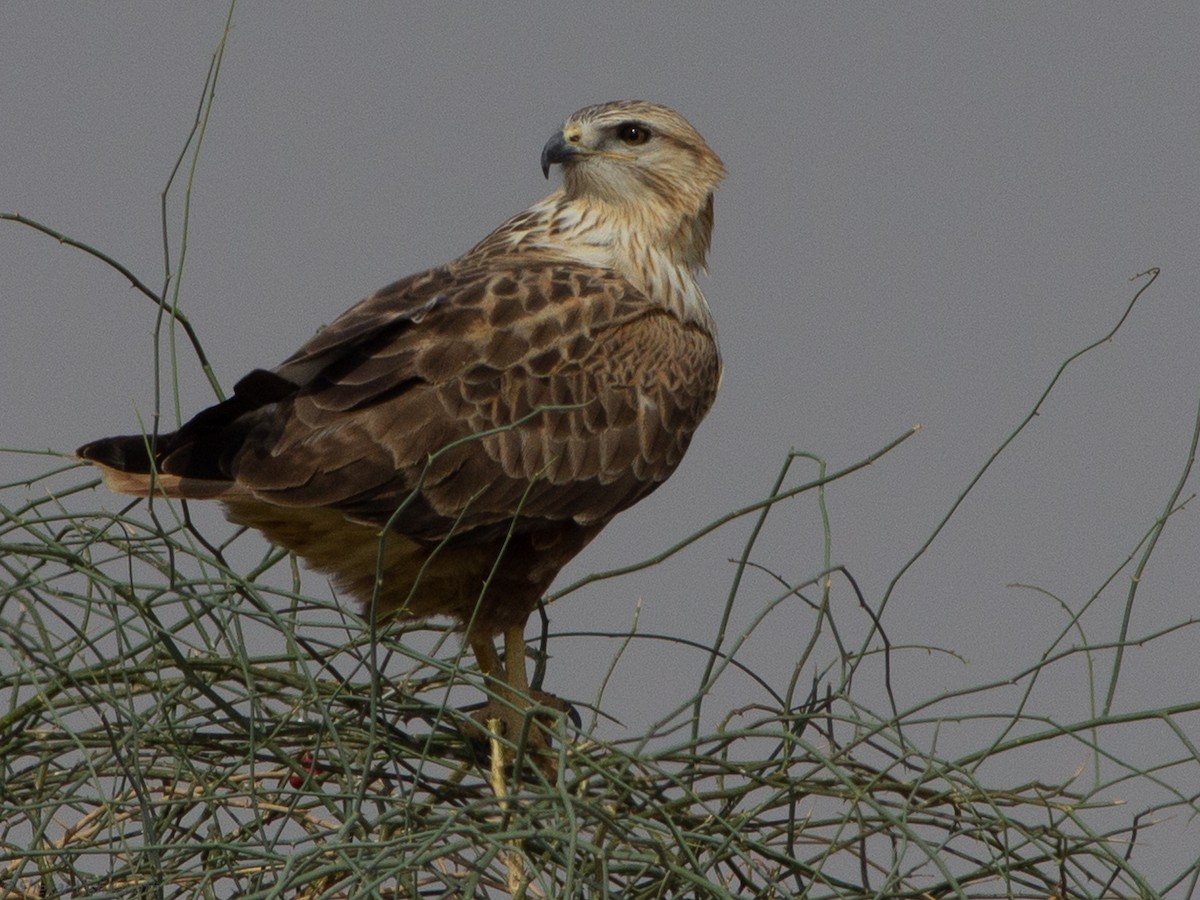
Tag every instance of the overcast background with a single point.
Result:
(928, 208)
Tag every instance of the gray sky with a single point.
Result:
(928, 208)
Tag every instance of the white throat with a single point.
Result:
(601, 236)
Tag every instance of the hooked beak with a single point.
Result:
(557, 150)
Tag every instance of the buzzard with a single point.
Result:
(444, 447)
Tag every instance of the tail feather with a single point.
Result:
(124, 465)
(194, 462)
(127, 453)
(137, 484)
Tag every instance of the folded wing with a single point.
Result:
(455, 402)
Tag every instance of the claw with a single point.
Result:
(515, 703)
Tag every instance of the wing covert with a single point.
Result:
(556, 392)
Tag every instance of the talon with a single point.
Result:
(515, 702)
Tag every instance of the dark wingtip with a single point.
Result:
(126, 453)
(202, 447)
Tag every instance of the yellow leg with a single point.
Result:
(511, 673)
(510, 684)
(485, 655)
(514, 660)
(511, 695)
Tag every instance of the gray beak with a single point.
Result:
(557, 150)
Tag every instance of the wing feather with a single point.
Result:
(492, 394)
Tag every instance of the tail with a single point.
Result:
(124, 462)
(194, 462)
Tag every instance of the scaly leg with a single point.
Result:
(508, 680)
(514, 660)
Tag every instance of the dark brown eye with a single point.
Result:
(633, 134)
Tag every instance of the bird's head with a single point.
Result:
(643, 160)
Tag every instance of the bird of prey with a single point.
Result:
(447, 445)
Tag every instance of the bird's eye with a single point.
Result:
(633, 134)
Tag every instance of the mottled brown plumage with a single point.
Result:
(504, 406)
